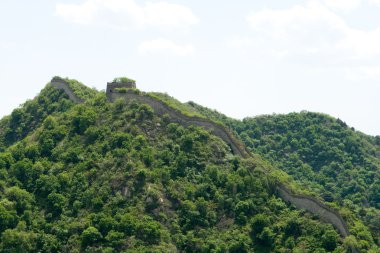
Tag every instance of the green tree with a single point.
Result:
(329, 240)
(23, 200)
(8, 216)
(90, 236)
(82, 119)
(15, 241)
(56, 203)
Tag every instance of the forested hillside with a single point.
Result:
(32, 113)
(116, 177)
(324, 155)
(27, 118)
(321, 153)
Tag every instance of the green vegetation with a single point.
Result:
(79, 89)
(212, 114)
(324, 156)
(121, 90)
(175, 104)
(124, 80)
(25, 119)
(116, 177)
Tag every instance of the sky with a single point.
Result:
(243, 58)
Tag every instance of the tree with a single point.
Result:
(8, 217)
(14, 241)
(115, 239)
(329, 239)
(82, 119)
(240, 244)
(90, 236)
(24, 172)
(22, 198)
(56, 203)
(148, 230)
(258, 223)
(127, 224)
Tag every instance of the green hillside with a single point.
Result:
(29, 116)
(323, 155)
(116, 177)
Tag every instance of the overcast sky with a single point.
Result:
(243, 58)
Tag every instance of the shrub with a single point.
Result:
(123, 80)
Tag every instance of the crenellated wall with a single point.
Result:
(307, 203)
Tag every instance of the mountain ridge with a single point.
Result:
(332, 216)
(83, 116)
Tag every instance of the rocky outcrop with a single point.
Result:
(312, 205)
(64, 85)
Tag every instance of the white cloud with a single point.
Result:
(344, 5)
(299, 23)
(126, 14)
(362, 72)
(165, 46)
(313, 34)
(81, 14)
(361, 44)
(374, 2)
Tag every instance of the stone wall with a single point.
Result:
(237, 147)
(115, 85)
(312, 205)
(63, 85)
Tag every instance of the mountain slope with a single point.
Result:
(31, 114)
(112, 177)
(322, 154)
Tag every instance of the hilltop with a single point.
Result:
(86, 171)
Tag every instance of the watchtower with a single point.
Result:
(120, 83)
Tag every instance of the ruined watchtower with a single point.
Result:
(120, 83)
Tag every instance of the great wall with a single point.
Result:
(175, 116)
(305, 202)
(65, 86)
(326, 213)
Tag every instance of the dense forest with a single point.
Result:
(116, 177)
(323, 155)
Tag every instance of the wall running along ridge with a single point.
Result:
(326, 213)
(308, 203)
(237, 147)
(63, 85)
